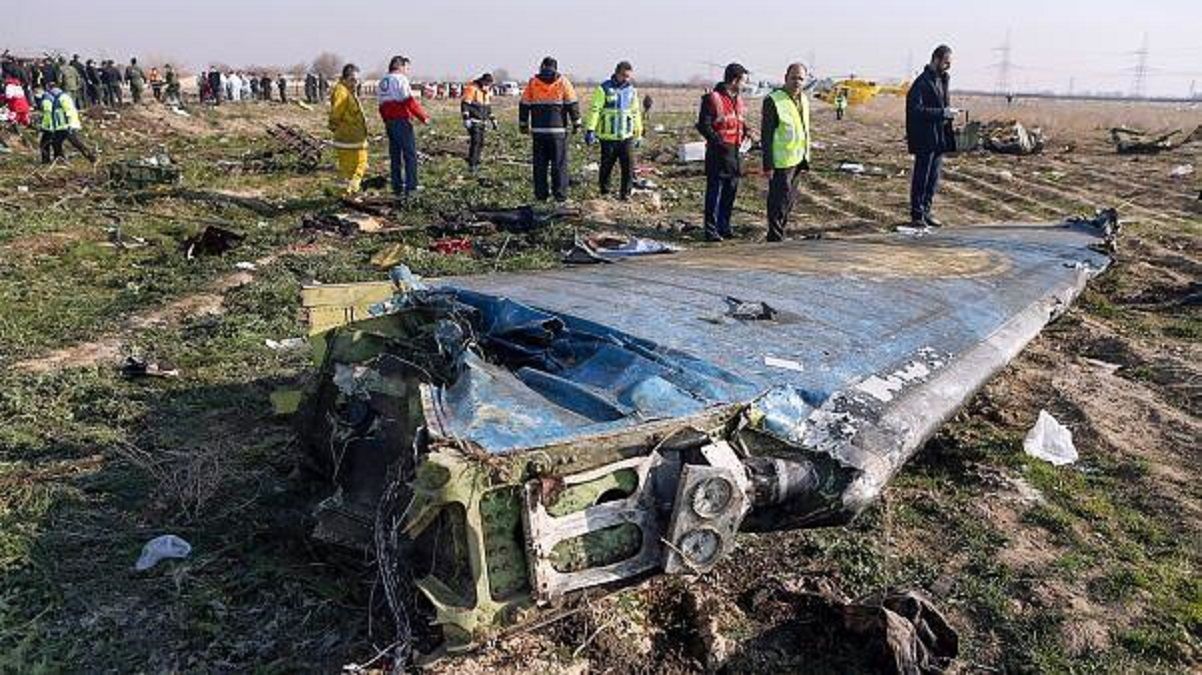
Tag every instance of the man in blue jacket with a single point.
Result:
(929, 133)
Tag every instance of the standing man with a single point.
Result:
(136, 79)
(215, 85)
(785, 137)
(398, 108)
(71, 82)
(282, 85)
(310, 88)
(476, 108)
(548, 105)
(59, 122)
(81, 75)
(350, 129)
(265, 86)
(116, 93)
(93, 84)
(172, 84)
(615, 116)
(721, 119)
(840, 103)
(929, 133)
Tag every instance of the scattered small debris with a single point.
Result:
(608, 247)
(452, 245)
(1050, 440)
(213, 240)
(135, 367)
(390, 256)
(851, 167)
(749, 311)
(1182, 170)
(1005, 175)
(160, 548)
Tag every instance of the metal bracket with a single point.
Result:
(544, 531)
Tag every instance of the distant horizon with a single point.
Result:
(1070, 47)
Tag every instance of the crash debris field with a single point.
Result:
(493, 438)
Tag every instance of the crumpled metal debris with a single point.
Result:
(1128, 141)
(1010, 137)
(137, 174)
(135, 367)
(213, 240)
(604, 248)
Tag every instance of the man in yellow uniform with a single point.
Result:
(785, 130)
(59, 122)
(350, 129)
(616, 118)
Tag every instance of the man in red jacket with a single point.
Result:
(398, 109)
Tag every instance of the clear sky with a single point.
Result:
(1092, 42)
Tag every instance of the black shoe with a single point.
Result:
(932, 221)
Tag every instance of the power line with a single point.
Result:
(1141, 70)
(1004, 66)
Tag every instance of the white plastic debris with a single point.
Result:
(285, 344)
(246, 266)
(1181, 171)
(22, 189)
(160, 548)
(1050, 440)
(1005, 175)
(659, 128)
(592, 167)
(692, 152)
(181, 112)
(784, 364)
(851, 167)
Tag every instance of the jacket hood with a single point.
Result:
(547, 75)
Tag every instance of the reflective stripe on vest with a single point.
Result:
(54, 117)
(730, 120)
(791, 141)
(617, 115)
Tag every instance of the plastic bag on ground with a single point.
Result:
(1050, 440)
(160, 548)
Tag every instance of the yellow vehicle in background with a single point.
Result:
(859, 91)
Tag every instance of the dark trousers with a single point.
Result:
(402, 156)
(550, 155)
(52, 142)
(622, 153)
(782, 190)
(720, 191)
(923, 182)
(475, 144)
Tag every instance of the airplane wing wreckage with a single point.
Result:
(502, 442)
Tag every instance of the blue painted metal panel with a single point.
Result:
(847, 309)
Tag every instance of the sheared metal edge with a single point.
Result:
(877, 437)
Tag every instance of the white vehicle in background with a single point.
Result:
(509, 88)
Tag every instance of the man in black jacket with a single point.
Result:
(929, 133)
(721, 119)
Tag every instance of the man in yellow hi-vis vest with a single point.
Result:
(350, 129)
(785, 134)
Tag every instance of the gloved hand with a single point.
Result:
(590, 137)
(467, 123)
(951, 113)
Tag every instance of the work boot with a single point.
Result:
(932, 221)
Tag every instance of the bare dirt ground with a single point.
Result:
(1094, 566)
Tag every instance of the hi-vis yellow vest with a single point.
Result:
(791, 142)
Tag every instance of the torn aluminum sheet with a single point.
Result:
(509, 440)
